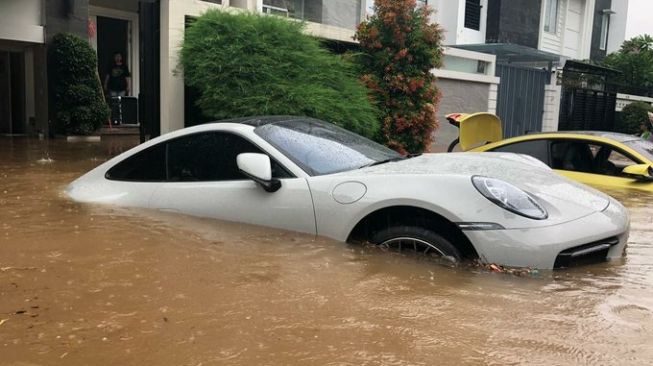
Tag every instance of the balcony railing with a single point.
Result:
(343, 14)
(275, 10)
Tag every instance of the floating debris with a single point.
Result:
(515, 271)
(47, 160)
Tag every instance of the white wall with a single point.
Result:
(551, 116)
(173, 25)
(625, 99)
(471, 36)
(618, 21)
(20, 20)
(446, 14)
(573, 34)
(450, 14)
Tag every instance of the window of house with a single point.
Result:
(605, 25)
(551, 16)
(473, 14)
(287, 8)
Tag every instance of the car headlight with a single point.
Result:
(509, 197)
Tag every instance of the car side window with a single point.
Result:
(210, 156)
(572, 155)
(609, 161)
(148, 165)
(585, 157)
(535, 148)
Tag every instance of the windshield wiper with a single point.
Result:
(383, 162)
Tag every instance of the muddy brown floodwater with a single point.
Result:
(91, 285)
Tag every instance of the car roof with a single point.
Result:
(619, 137)
(257, 121)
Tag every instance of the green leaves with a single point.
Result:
(400, 48)
(635, 61)
(632, 116)
(247, 64)
(79, 108)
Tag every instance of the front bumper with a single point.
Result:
(540, 247)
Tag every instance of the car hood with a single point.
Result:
(523, 171)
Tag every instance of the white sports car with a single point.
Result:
(305, 175)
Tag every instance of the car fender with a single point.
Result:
(337, 220)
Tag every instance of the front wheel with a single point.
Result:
(418, 240)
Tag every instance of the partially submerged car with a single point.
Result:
(601, 159)
(607, 160)
(305, 175)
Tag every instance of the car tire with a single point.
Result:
(416, 239)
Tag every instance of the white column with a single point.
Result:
(551, 107)
(492, 98)
(173, 25)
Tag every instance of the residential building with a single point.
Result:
(573, 29)
(23, 96)
(534, 41)
(148, 33)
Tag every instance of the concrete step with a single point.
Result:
(120, 130)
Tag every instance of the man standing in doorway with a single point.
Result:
(118, 80)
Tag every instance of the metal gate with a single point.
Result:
(520, 101)
(587, 109)
(588, 98)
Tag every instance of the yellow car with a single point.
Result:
(601, 159)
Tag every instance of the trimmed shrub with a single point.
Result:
(400, 49)
(248, 64)
(79, 107)
(632, 116)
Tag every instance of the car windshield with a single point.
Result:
(322, 148)
(643, 147)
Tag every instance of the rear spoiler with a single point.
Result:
(476, 129)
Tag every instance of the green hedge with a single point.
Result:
(632, 116)
(79, 106)
(248, 64)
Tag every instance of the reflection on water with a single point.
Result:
(85, 284)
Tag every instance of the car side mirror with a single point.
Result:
(643, 172)
(258, 168)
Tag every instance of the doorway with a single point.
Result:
(12, 92)
(112, 37)
(116, 31)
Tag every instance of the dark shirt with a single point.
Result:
(118, 77)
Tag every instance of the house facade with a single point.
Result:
(149, 34)
(533, 40)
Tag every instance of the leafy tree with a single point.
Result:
(400, 49)
(635, 61)
(249, 64)
(79, 107)
(632, 117)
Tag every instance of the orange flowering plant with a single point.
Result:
(400, 48)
